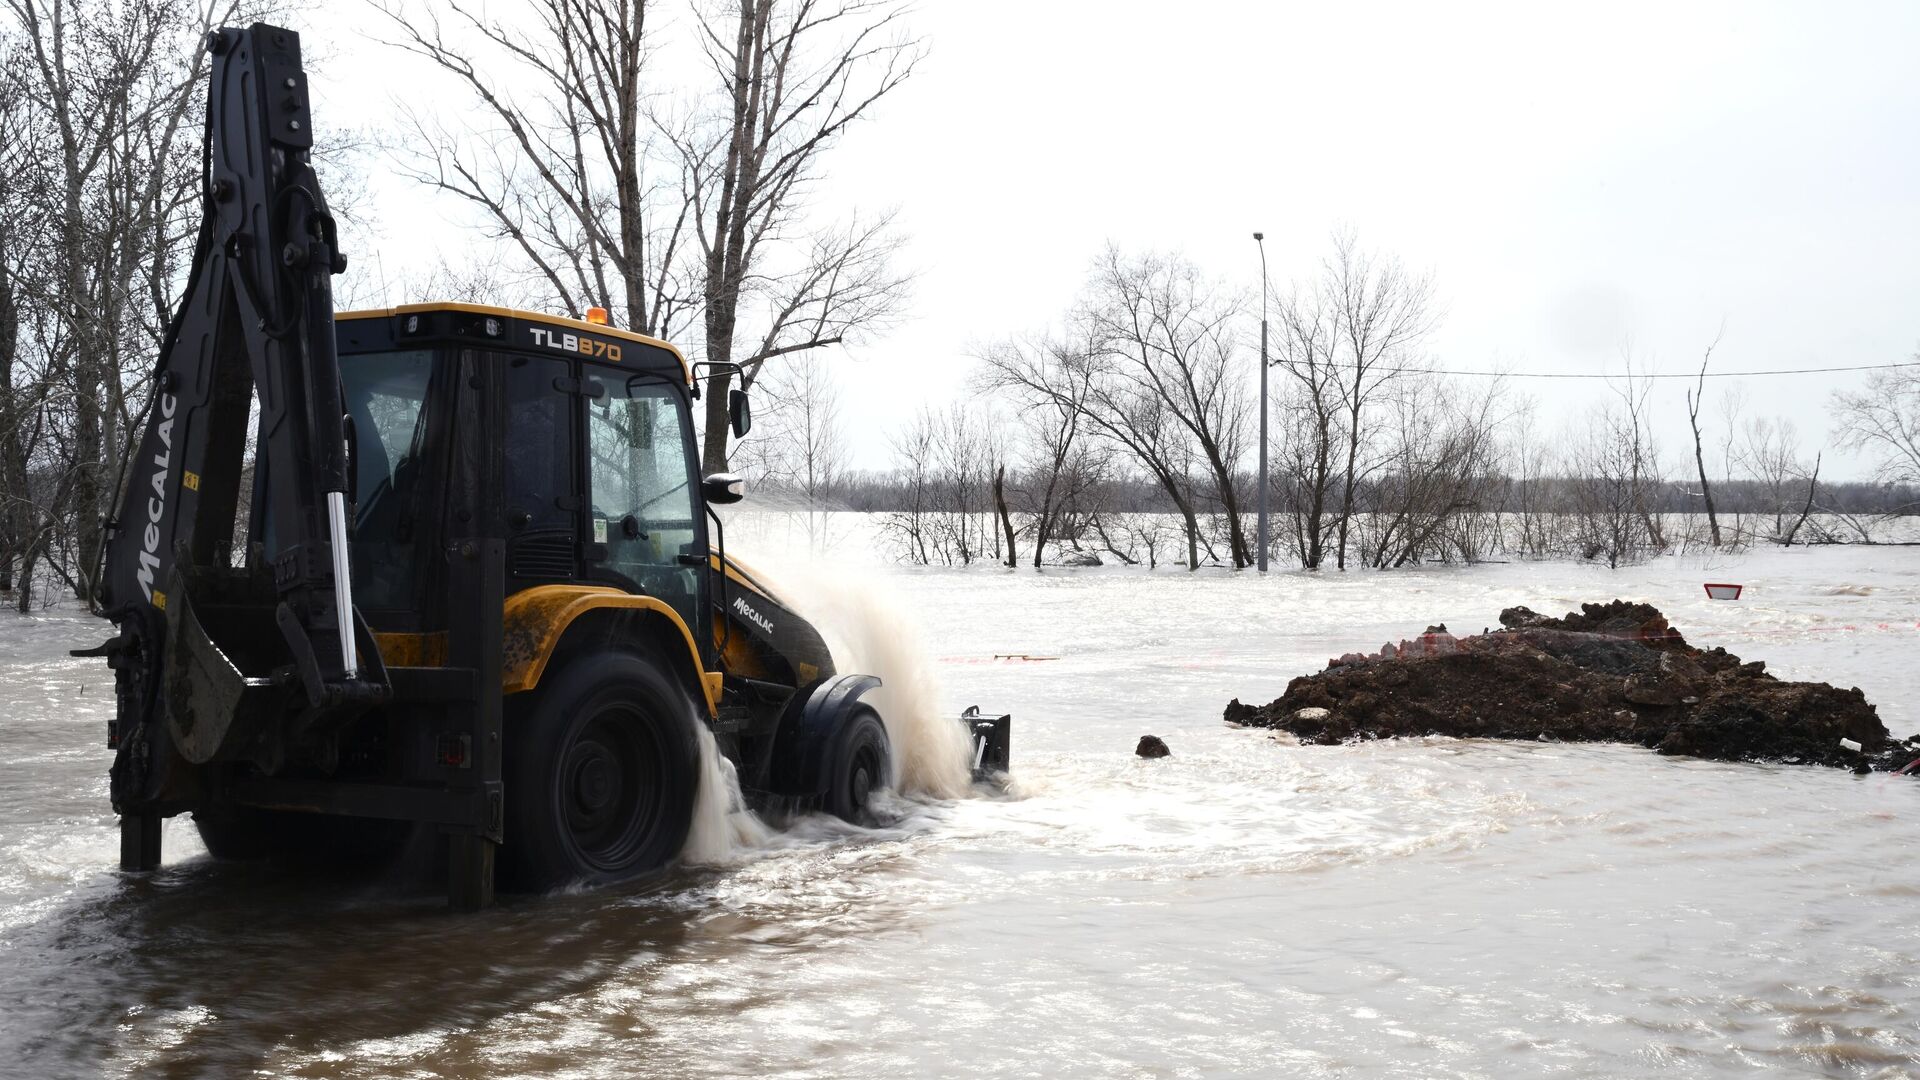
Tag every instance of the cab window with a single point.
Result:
(640, 473)
(386, 393)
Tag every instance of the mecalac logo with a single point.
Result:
(746, 612)
(157, 502)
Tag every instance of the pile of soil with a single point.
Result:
(1614, 672)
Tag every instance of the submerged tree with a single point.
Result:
(1312, 424)
(1164, 347)
(1696, 396)
(1884, 418)
(1614, 478)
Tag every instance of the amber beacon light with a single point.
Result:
(597, 316)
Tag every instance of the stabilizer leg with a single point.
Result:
(469, 871)
(140, 842)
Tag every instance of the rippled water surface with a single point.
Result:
(1244, 907)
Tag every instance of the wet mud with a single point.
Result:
(1613, 672)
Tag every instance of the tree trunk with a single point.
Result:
(714, 435)
(1230, 504)
(1706, 490)
(1006, 519)
(12, 483)
(1317, 509)
(1813, 483)
(1346, 495)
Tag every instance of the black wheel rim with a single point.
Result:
(863, 776)
(612, 787)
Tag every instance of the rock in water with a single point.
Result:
(1614, 672)
(1151, 747)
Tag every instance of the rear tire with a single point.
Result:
(860, 764)
(601, 769)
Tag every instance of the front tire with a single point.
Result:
(860, 764)
(602, 766)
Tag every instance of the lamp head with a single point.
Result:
(1259, 236)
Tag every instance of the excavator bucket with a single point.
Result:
(228, 677)
(242, 682)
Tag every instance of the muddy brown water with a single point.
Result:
(1242, 907)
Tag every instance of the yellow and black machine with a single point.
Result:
(477, 585)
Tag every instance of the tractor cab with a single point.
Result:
(582, 433)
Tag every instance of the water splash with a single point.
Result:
(724, 830)
(869, 634)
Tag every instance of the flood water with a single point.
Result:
(1244, 907)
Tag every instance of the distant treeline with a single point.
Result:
(1133, 426)
(873, 491)
(1131, 521)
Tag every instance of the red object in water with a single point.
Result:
(1723, 592)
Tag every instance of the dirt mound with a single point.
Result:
(1614, 672)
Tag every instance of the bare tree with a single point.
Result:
(790, 78)
(1072, 379)
(1884, 418)
(908, 525)
(1441, 462)
(1806, 508)
(1003, 515)
(1696, 396)
(555, 160)
(800, 445)
(1165, 347)
(689, 227)
(1050, 383)
(1383, 314)
(1769, 456)
(1312, 420)
(17, 391)
(1533, 487)
(1735, 530)
(113, 96)
(948, 463)
(1615, 476)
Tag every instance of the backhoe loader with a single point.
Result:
(476, 586)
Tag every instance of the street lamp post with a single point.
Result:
(1260, 558)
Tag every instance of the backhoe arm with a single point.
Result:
(256, 322)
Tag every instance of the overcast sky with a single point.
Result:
(1579, 180)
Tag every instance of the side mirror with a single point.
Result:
(722, 489)
(739, 412)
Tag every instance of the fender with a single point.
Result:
(535, 619)
(807, 729)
